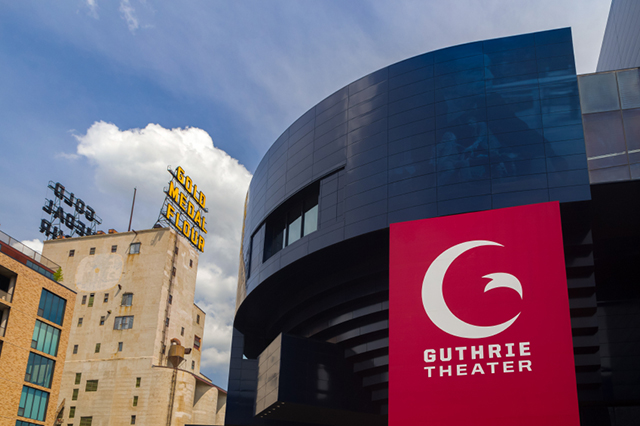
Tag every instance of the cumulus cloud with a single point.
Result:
(123, 159)
(34, 244)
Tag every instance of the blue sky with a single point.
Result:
(82, 80)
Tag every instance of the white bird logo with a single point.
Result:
(433, 297)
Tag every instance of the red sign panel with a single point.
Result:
(479, 321)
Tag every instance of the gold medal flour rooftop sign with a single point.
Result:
(184, 207)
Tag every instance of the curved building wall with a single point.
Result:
(473, 127)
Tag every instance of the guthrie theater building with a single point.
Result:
(476, 127)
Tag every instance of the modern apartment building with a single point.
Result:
(136, 336)
(35, 319)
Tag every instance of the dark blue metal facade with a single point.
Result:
(473, 127)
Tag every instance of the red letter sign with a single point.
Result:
(479, 321)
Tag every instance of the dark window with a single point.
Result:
(74, 397)
(197, 319)
(138, 380)
(295, 219)
(170, 299)
(133, 420)
(80, 322)
(175, 250)
(127, 299)
(190, 263)
(78, 377)
(91, 297)
(97, 348)
(196, 342)
(45, 338)
(39, 370)
(173, 271)
(102, 320)
(119, 346)
(84, 299)
(72, 412)
(123, 323)
(85, 421)
(182, 331)
(166, 322)
(134, 248)
(106, 298)
(72, 253)
(92, 386)
(51, 307)
(33, 404)
(92, 251)
(135, 401)
(114, 249)
(75, 349)
(193, 365)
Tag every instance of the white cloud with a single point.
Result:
(129, 15)
(93, 8)
(122, 159)
(34, 244)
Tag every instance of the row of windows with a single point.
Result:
(33, 404)
(120, 323)
(134, 248)
(51, 307)
(45, 338)
(127, 299)
(39, 370)
(79, 379)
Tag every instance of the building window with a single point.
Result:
(190, 263)
(84, 299)
(85, 421)
(170, 299)
(80, 322)
(51, 307)
(119, 346)
(92, 386)
(97, 348)
(175, 250)
(295, 219)
(78, 378)
(72, 412)
(182, 331)
(133, 420)
(91, 297)
(127, 299)
(134, 248)
(135, 401)
(74, 397)
(45, 338)
(92, 251)
(114, 249)
(75, 349)
(173, 271)
(138, 380)
(196, 342)
(193, 365)
(123, 323)
(102, 320)
(166, 322)
(39, 370)
(33, 404)
(72, 253)
(106, 298)
(197, 319)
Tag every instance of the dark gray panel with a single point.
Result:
(331, 123)
(412, 199)
(332, 111)
(511, 199)
(365, 225)
(422, 211)
(464, 205)
(366, 197)
(367, 131)
(467, 189)
(412, 142)
(366, 144)
(368, 119)
(366, 157)
(570, 193)
(368, 106)
(368, 81)
(368, 93)
(370, 182)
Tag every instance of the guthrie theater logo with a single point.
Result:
(479, 327)
(442, 317)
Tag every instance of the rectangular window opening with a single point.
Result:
(138, 381)
(97, 348)
(135, 401)
(74, 397)
(72, 253)
(92, 386)
(91, 297)
(134, 248)
(127, 299)
(123, 323)
(92, 251)
(119, 346)
(75, 349)
(114, 249)
(78, 378)
(106, 298)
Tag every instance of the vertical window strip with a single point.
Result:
(33, 404)
(51, 307)
(39, 370)
(45, 338)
